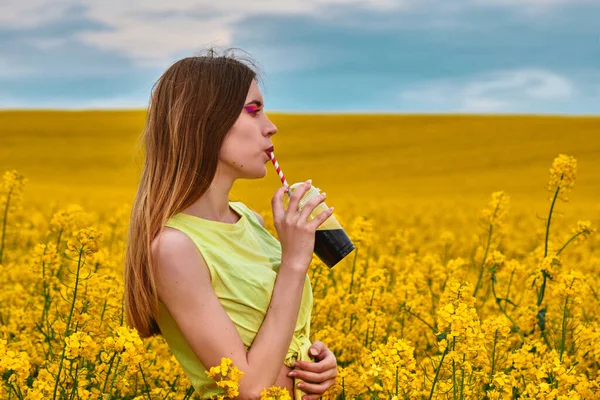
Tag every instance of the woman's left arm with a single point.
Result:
(318, 376)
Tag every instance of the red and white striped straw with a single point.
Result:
(279, 171)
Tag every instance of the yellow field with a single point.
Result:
(456, 289)
(90, 157)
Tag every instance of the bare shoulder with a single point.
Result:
(176, 255)
(169, 242)
(260, 218)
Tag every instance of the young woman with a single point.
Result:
(201, 270)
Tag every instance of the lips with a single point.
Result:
(269, 150)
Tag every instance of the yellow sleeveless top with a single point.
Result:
(243, 260)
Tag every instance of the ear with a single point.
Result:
(259, 218)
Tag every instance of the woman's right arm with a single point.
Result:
(185, 288)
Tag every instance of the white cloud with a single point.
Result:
(495, 91)
(155, 42)
(32, 13)
(536, 3)
(153, 32)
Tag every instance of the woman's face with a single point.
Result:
(243, 154)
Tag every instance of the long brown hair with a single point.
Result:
(192, 107)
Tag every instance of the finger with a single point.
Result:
(277, 204)
(329, 362)
(320, 218)
(314, 377)
(310, 206)
(316, 348)
(296, 196)
(317, 367)
(327, 358)
(311, 397)
(316, 388)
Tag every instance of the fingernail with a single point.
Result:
(292, 373)
(313, 352)
(309, 181)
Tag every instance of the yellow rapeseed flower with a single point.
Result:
(562, 176)
(67, 219)
(390, 364)
(550, 265)
(458, 319)
(81, 344)
(227, 376)
(14, 365)
(497, 209)
(361, 231)
(84, 241)
(583, 231)
(275, 393)
(12, 184)
(411, 310)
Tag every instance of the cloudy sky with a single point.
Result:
(473, 56)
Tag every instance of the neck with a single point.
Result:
(214, 203)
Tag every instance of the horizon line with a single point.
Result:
(328, 113)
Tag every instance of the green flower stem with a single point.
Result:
(58, 237)
(545, 337)
(549, 219)
(112, 381)
(67, 332)
(396, 381)
(4, 224)
(112, 359)
(102, 314)
(453, 371)
(353, 269)
(515, 326)
(16, 390)
(568, 241)
(493, 356)
(437, 373)
(433, 329)
(462, 382)
(487, 248)
(563, 335)
(563, 339)
(74, 391)
(509, 285)
(373, 335)
(145, 383)
(542, 289)
(188, 393)
(351, 322)
(430, 284)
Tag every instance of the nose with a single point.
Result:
(271, 129)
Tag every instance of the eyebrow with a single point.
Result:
(257, 102)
